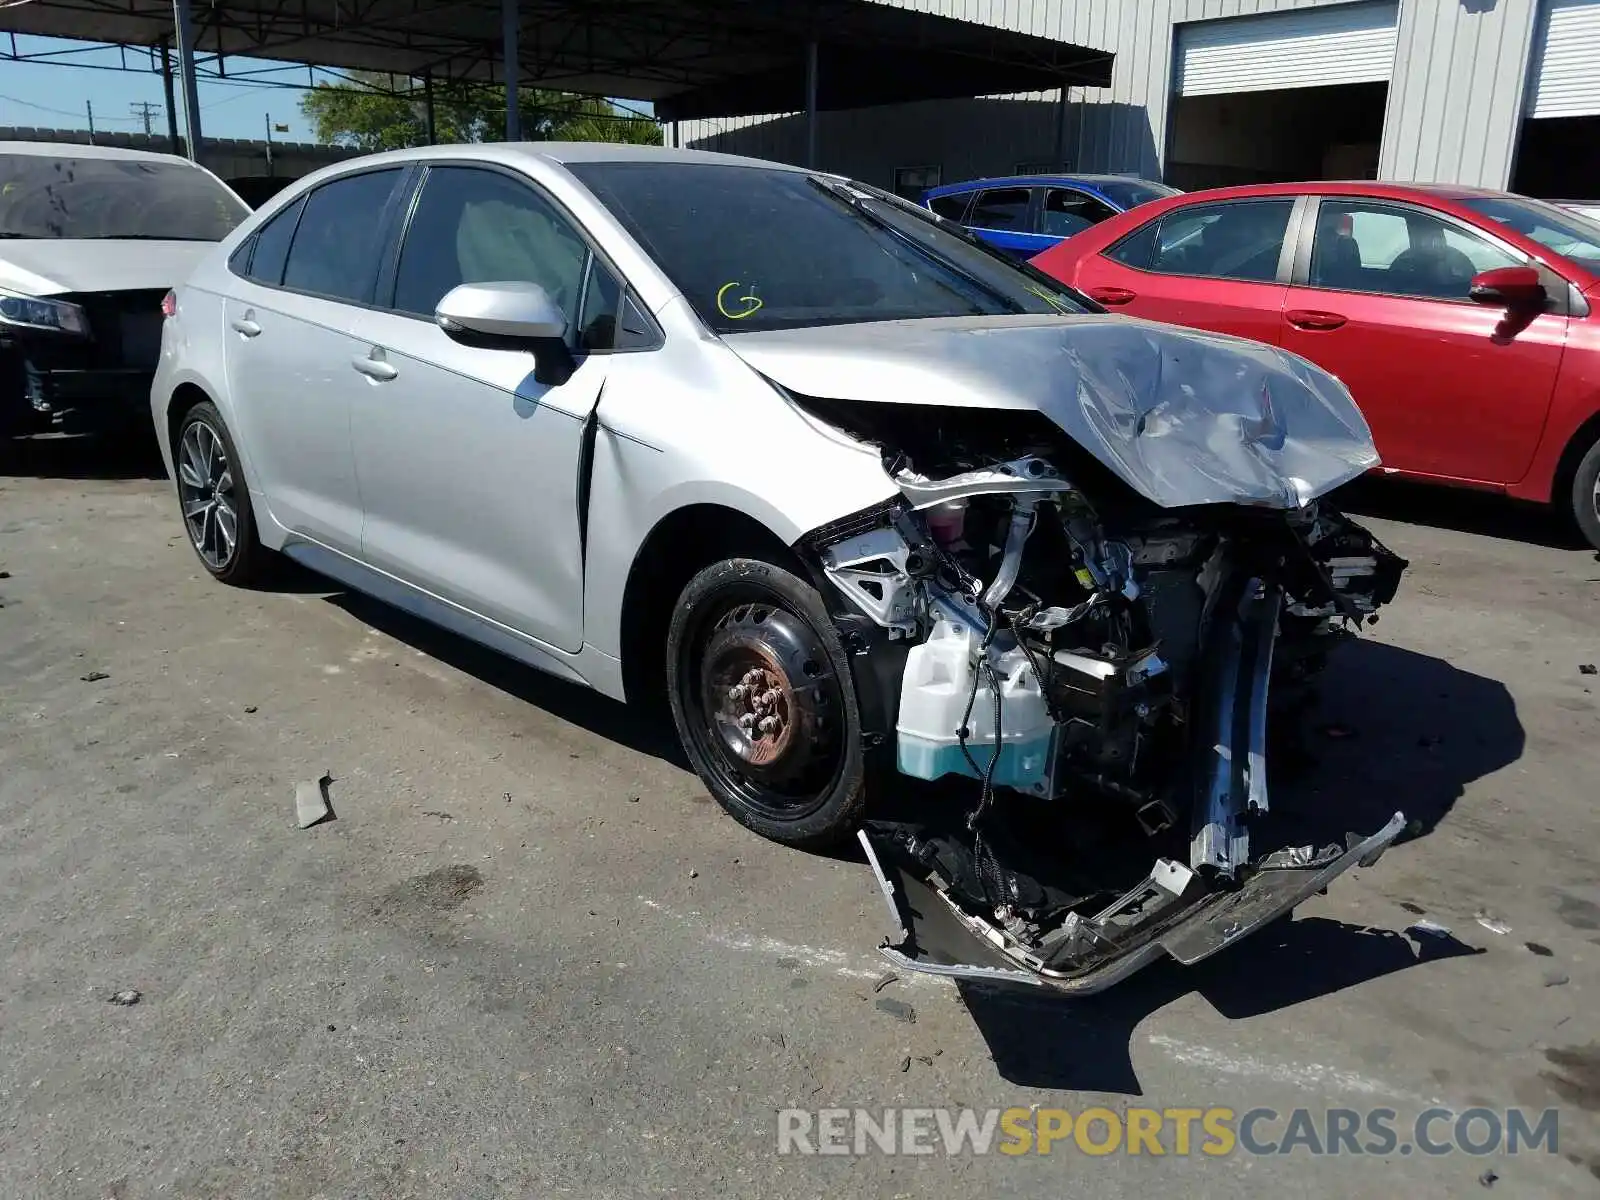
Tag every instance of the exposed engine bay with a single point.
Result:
(1070, 650)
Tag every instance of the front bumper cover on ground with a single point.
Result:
(936, 937)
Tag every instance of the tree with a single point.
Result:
(366, 113)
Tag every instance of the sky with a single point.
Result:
(58, 94)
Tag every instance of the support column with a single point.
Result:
(191, 94)
(509, 19)
(427, 109)
(172, 99)
(1061, 129)
(811, 104)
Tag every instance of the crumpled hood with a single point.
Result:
(52, 266)
(1184, 417)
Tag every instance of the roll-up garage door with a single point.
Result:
(1566, 60)
(1316, 47)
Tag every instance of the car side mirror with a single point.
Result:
(515, 311)
(510, 316)
(1516, 288)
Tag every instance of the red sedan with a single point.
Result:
(1466, 323)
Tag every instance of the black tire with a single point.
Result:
(743, 623)
(1585, 498)
(245, 561)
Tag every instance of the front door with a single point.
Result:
(1450, 387)
(468, 464)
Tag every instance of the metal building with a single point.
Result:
(1498, 93)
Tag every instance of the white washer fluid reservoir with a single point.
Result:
(933, 699)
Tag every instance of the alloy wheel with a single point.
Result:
(206, 491)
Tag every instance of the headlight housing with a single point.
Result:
(49, 316)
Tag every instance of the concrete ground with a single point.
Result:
(530, 957)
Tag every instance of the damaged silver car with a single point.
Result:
(865, 501)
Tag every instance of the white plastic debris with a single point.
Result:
(311, 801)
(1492, 924)
(1431, 928)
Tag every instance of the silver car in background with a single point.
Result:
(91, 240)
(865, 500)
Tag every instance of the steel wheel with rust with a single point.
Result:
(764, 703)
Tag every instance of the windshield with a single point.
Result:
(43, 196)
(755, 248)
(1126, 193)
(1559, 230)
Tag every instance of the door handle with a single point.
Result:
(1313, 318)
(1112, 295)
(374, 367)
(246, 326)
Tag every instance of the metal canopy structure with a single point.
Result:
(690, 58)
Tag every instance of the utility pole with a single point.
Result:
(145, 111)
(269, 145)
(89, 104)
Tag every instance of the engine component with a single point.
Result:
(947, 711)
(1021, 477)
(874, 570)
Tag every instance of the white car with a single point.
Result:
(859, 494)
(91, 240)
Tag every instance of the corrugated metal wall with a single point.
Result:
(1455, 102)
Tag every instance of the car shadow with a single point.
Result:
(132, 454)
(641, 729)
(1394, 731)
(1462, 509)
(1041, 1039)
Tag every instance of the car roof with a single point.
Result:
(1342, 187)
(1088, 180)
(569, 153)
(81, 150)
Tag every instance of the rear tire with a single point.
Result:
(214, 499)
(1584, 499)
(765, 703)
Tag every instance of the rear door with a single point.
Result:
(1004, 217)
(469, 464)
(288, 350)
(1221, 266)
(1450, 387)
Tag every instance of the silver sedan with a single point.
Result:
(860, 498)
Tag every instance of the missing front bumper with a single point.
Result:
(1183, 918)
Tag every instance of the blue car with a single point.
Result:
(1025, 215)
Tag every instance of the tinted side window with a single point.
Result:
(1398, 250)
(951, 207)
(272, 245)
(477, 226)
(339, 241)
(1137, 248)
(1238, 239)
(1067, 212)
(1001, 208)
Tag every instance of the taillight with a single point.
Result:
(169, 304)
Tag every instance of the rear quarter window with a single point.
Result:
(951, 207)
(1137, 248)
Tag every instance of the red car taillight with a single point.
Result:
(169, 304)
